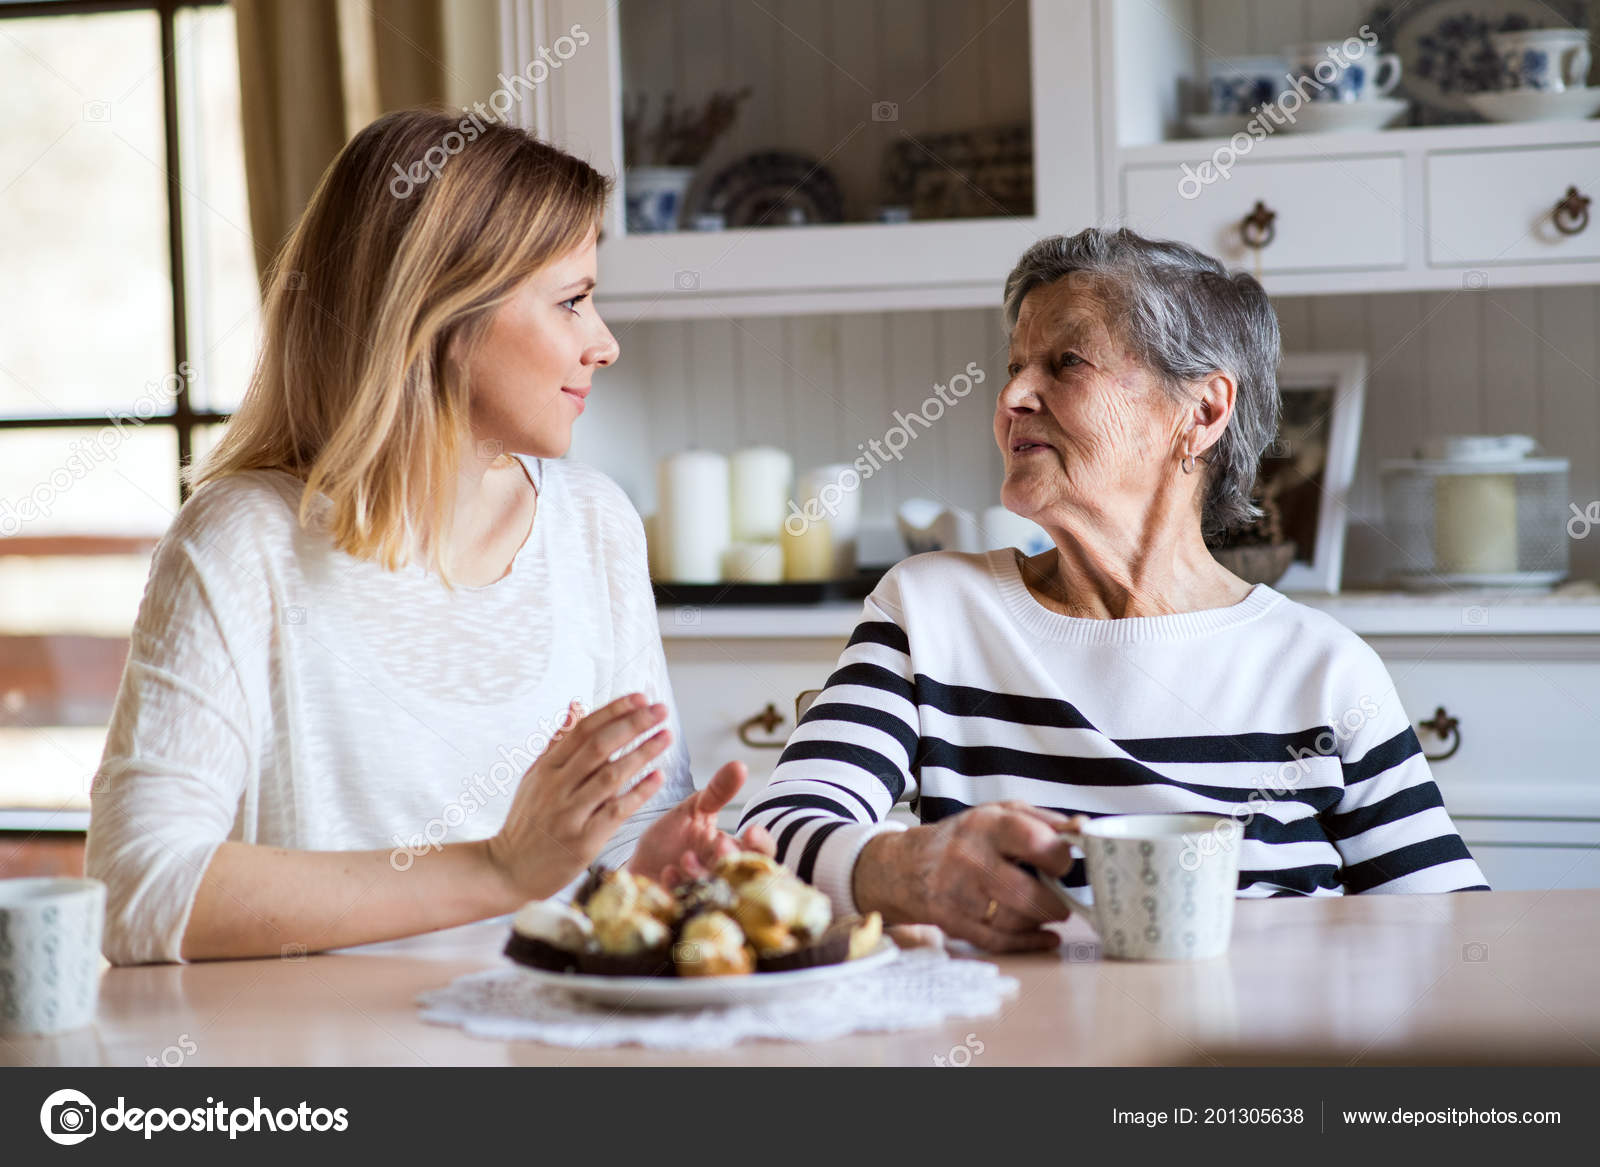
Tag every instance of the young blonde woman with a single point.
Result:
(356, 703)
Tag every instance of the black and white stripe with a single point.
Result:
(947, 697)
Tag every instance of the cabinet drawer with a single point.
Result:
(1340, 214)
(1527, 731)
(719, 683)
(1483, 214)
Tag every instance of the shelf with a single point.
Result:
(1368, 614)
(28, 819)
(1403, 139)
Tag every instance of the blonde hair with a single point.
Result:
(373, 309)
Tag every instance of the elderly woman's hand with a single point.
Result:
(962, 874)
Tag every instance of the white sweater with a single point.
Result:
(958, 687)
(279, 691)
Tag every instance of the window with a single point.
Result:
(131, 322)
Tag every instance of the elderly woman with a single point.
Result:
(1123, 671)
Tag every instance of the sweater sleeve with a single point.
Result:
(1390, 825)
(180, 747)
(851, 758)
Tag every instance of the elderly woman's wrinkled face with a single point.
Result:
(1084, 429)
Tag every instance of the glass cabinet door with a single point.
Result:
(819, 147)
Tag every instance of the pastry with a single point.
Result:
(549, 935)
(712, 945)
(849, 938)
(751, 915)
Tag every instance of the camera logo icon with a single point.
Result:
(294, 614)
(885, 111)
(1475, 280)
(97, 111)
(68, 1117)
(686, 281)
(1475, 616)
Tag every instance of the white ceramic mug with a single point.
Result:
(1548, 60)
(1164, 884)
(49, 953)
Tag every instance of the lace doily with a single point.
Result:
(924, 986)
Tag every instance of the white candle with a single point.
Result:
(760, 479)
(692, 516)
(753, 563)
(1475, 524)
(808, 551)
(835, 492)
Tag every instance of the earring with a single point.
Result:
(1188, 463)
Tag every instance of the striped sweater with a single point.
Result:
(958, 688)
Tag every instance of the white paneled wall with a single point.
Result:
(821, 387)
(1497, 361)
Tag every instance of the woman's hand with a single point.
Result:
(572, 799)
(686, 841)
(949, 873)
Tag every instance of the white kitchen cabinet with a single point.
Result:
(1356, 200)
(1523, 786)
(1101, 83)
(1509, 220)
(1451, 207)
(827, 77)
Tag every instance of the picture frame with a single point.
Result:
(1313, 460)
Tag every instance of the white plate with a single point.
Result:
(706, 992)
(1326, 117)
(1570, 105)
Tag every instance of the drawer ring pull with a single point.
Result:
(1446, 728)
(1259, 227)
(1571, 215)
(768, 720)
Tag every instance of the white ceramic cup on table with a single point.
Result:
(49, 953)
(1164, 884)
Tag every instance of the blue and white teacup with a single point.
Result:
(1332, 71)
(1548, 60)
(1239, 84)
(49, 953)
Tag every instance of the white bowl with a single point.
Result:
(1328, 117)
(1532, 105)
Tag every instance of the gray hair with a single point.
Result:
(1185, 317)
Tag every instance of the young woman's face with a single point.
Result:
(534, 368)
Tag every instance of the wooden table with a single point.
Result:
(1486, 976)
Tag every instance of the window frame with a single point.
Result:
(184, 418)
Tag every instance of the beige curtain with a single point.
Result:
(312, 73)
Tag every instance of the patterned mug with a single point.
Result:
(1328, 71)
(1545, 59)
(1239, 85)
(49, 953)
(1164, 884)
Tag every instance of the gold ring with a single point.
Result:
(988, 913)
